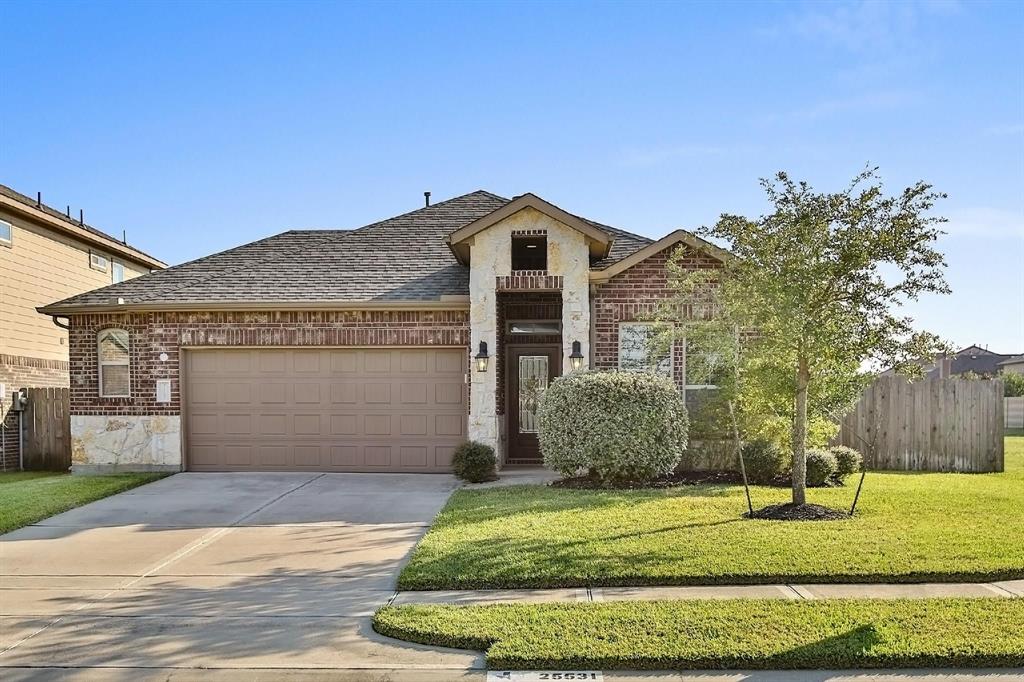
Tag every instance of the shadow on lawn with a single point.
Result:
(842, 650)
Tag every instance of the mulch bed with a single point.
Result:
(798, 512)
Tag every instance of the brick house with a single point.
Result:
(46, 254)
(376, 349)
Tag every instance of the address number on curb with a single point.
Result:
(544, 675)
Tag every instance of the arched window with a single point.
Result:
(114, 361)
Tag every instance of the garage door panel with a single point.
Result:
(450, 362)
(273, 361)
(307, 425)
(377, 455)
(307, 455)
(235, 393)
(326, 409)
(346, 456)
(345, 393)
(377, 394)
(307, 394)
(377, 425)
(272, 424)
(414, 456)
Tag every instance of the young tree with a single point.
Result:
(817, 282)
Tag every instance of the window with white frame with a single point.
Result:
(6, 233)
(116, 272)
(98, 262)
(114, 360)
(636, 343)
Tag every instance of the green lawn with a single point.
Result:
(30, 496)
(908, 528)
(739, 633)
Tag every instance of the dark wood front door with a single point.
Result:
(530, 369)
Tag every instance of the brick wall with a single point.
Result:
(168, 332)
(16, 372)
(629, 295)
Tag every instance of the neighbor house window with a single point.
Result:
(635, 346)
(117, 272)
(112, 346)
(98, 262)
(530, 252)
(6, 233)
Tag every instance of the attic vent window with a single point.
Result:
(529, 252)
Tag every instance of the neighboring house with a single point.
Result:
(45, 255)
(1012, 365)
(974, 360)
(377, 349)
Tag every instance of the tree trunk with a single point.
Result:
(800, 434)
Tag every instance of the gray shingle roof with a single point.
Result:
(399, 259)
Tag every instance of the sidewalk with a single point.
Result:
(1003, 589)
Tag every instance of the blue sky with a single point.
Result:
(197, 127)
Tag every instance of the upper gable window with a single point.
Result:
(530, 252)
(116, 272)
(6, 233)
(98, 262)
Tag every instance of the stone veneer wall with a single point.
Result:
(491, 259)
(17, 372)
(632, 293)
(140, 433)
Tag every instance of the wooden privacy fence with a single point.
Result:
(46, 429)
(1014, 410)
(934, 425)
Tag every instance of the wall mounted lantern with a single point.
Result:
(482, 357)
(576, 357)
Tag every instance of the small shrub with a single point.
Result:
(616, 425)
(475, 462)
(821, 467)
(763, 459)
(848, 461)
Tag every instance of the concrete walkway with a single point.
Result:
(1007, 589)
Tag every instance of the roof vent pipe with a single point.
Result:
(81, 216)
(426, 198)
(39, 199)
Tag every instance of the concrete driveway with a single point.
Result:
(221, 571)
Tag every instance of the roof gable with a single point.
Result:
(642, 254)
(599, 240)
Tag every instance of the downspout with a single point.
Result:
(60, 324)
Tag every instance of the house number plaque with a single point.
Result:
(544, 675)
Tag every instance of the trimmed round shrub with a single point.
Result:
(618, 426)
(475, 462)
(763, 459)
(821, 466)
(848, 461)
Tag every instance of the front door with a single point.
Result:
(530, 369)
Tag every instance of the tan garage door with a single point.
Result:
(326, 409)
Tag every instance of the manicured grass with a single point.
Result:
(31, 496)
(908, 528)
(739, 633)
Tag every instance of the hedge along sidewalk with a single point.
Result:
(731, 634)
(1008, 589)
